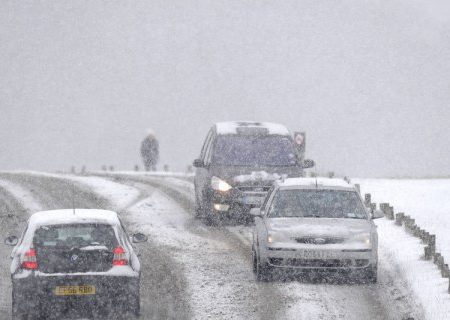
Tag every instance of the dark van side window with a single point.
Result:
(260, 150)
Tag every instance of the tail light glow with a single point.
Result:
(120, 257)
(29, 260)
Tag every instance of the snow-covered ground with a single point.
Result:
(428, 202)
(202, 251)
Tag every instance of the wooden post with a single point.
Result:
(436, 257)
(358, 187)
(391, 215)
(428, 253)
(367, 199)
(383, 207)
(432, 243)
(426, 237)
(399, 218)
(412, 223)
(445, 270)
(440, 264)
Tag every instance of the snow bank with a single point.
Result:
(427, 202)
(24, 196)
(120, 195)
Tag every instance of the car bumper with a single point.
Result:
(40, 292)
(290, 258)
(236, 200)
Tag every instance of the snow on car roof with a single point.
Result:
(323, 183)
(67, 216)
(233, 126)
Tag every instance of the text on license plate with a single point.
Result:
(74, 290)
(311, 254)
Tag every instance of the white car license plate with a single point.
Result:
(316, 254)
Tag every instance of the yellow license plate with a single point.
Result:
(74, 290)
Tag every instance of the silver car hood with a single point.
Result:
(319, 227)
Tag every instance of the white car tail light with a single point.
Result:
(29, 261)
(120, 257)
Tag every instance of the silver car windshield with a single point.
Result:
(317, 204)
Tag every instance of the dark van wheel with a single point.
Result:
(371, 274)
(210, 217)
(263, 272)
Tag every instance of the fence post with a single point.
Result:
(358, 187)
(428, 253)
(436, 257)
(445, 271)
(383, 207)
(399, 218)
(367, 199)
(432, 243)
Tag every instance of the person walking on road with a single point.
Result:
(150, 151)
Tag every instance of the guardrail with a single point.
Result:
(429, 240)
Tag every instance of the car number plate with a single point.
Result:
(74, 290)
(253, 200)
(312, 254)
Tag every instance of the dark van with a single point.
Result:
(238, 163)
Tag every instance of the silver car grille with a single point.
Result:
(318, 240)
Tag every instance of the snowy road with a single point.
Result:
(191, 271)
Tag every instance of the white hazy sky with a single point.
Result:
(369, 81)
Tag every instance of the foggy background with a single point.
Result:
(369, 81)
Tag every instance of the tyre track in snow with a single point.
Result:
(389, 299)
(162, 289)
(224, 266)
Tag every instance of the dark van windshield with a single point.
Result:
(255, 150)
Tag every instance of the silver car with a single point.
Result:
(314, 224)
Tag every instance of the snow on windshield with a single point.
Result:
(317, 204)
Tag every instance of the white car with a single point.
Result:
(79, 258)
(314, 224)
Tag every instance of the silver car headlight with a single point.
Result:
(220, 185)
(273, 237)
(365, 238)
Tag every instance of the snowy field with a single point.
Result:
(428, 202)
